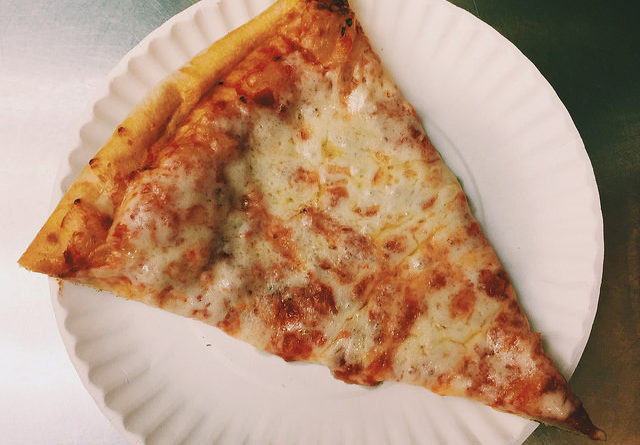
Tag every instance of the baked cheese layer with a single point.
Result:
(301, 207)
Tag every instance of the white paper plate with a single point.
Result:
(162, 379)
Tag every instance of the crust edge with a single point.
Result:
(152, 121)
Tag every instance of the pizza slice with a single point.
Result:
(280, 188)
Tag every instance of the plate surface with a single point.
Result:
(162, 379)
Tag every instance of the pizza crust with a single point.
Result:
(95, 194)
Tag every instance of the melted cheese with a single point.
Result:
(313, 219)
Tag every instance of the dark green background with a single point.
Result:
(589, 51)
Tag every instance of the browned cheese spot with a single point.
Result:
(337, 193)
(462, 304)
(494, 284)
(394, 306)
(429, 203)
(305, 176)
(437, 280)
(369, 211)
(396, 244)
(295, 316)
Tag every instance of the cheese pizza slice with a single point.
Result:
(280, 188)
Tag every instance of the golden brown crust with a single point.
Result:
(55, 250)
(98, 182)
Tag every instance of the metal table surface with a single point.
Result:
(54, 54)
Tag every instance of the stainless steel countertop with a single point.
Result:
(54, 54)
